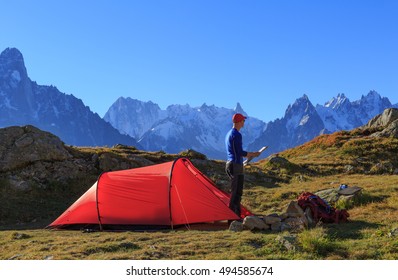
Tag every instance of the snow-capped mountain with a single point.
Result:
(180, 127)
(303, 122)
(300, 124)
(341, 114)
(134, 117)
(177, 128)
(23, 102)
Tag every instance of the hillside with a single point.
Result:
(40, 177)
(370, 149)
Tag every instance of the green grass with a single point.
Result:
(365, 236)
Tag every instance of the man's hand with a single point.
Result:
(253, 154)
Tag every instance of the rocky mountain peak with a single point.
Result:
(302, 105)
(12, 63)
(11, 54)
(338, 102)
(238, 109)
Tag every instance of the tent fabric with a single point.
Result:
(168, 194)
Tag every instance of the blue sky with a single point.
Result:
(263, 54)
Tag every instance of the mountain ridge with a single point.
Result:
(179, 127)
(24, 102)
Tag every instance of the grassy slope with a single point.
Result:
(269, 187)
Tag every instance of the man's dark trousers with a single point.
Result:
(235, 173)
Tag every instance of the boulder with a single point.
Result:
(294, 210)
(297, 224)
(22, 146)
(254, 222)
(334, 195)
(276, 227)
(386, 118)
(236, 226)
(387, 122)
(271, 219)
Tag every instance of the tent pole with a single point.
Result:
(96, 203)
(170, 178)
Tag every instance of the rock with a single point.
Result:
(294, 210)
(285, 227)
(289, 242)
(284, 216)
(385, 123)
(95, 158)
(296, 224)
(331, 195)
(107, 162)
(278, 160)
(236, 226)
(254, 222)
(18, 235)
(24, 141)
(15, 257)
(270, 219)
(19, 185)
(393, 233)
(349, 168)
(347, 198)
(192, 154)
(276, 227)
(21, 146)
(382, 167)
(386, 118)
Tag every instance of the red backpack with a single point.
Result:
(317, 209)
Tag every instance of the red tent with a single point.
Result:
(169, 194)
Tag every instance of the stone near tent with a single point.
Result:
(276, 227)
(21, 146)
(347, 198)
(254, 222)
(285, 227)
(236, 226)
(271, 219)
(333, 195)
(348, 194)
(296, 216)
(284, 216)
(294, 210)
(296, 224)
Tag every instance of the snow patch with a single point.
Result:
(15, 79)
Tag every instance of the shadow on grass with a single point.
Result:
(349, 230)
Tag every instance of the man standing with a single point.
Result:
(234, 165)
